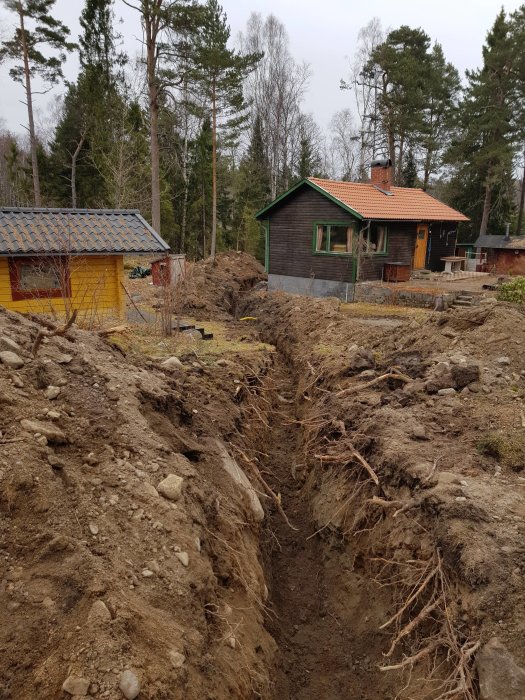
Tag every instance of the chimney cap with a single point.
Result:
(381, 163)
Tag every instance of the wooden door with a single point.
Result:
(420, 252)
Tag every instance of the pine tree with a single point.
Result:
(168, 26)
(409, 170)
(405, 65)
(220, 73)
(90, 104)
(24, 47)
(489, 126)
(441, 100)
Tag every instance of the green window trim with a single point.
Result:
(329, 224)
(354, 224)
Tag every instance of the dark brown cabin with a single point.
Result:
(324, 235)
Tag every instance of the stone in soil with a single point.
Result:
(171, 487)
(449, 391)
(48, 430)
(129, 684)
(76, 685)
(177, 659)
(99, 612)
(500, 677)
(172, 363)
(10, 345)
(11, 359)
(183, 557)
(52, 392)
(465, 374)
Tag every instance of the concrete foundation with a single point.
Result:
(371, 292)
(310, 286)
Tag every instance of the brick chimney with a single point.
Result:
(381, 174)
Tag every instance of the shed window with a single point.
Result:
(334, 238)
(39, 277)
(374, 239)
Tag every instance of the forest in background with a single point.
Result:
(199, 130)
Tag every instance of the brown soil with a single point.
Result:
(408, 504)
(322, 622)
(211, 290)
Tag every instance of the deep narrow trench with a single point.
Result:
(324, 611)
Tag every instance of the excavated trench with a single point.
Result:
(324, 614)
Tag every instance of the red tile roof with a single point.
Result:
(403, 204)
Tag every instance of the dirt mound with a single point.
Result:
(105, 566)
(343, 515)
(211, 289)
(412, 452)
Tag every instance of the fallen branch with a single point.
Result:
(114, 329)
(50, 333)
(362, 387)
(133, 303)
(346, 457)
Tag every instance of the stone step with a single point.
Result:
(462, 302)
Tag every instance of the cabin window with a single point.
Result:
(374, 239)
(39, 277)
(334, 238)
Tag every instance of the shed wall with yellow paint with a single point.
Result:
(96, 290)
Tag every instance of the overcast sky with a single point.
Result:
(322, 32)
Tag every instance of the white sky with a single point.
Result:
(322, 33)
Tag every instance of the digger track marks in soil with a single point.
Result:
(321, 654)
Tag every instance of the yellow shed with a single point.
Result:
(57, 260)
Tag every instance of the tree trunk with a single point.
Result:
(150, 26)
(426, 177)
(184, 173)
(29, 97)
(522, 202)
(486, 208)
(214, 171)
(74, 159)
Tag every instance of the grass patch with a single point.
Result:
(227, 339)
(507, 449)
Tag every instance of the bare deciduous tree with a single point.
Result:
(276, 89)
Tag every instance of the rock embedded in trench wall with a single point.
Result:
(75, 685)
(171, 487)
(11, 359)
(240, 478)
(360, 359)
(9, 345)
(500, 677)
(465, 374)
(48, 430)
(129, 684)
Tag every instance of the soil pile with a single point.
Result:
(129, 554)
(212, 289)
(342, 517)
(413, 450)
